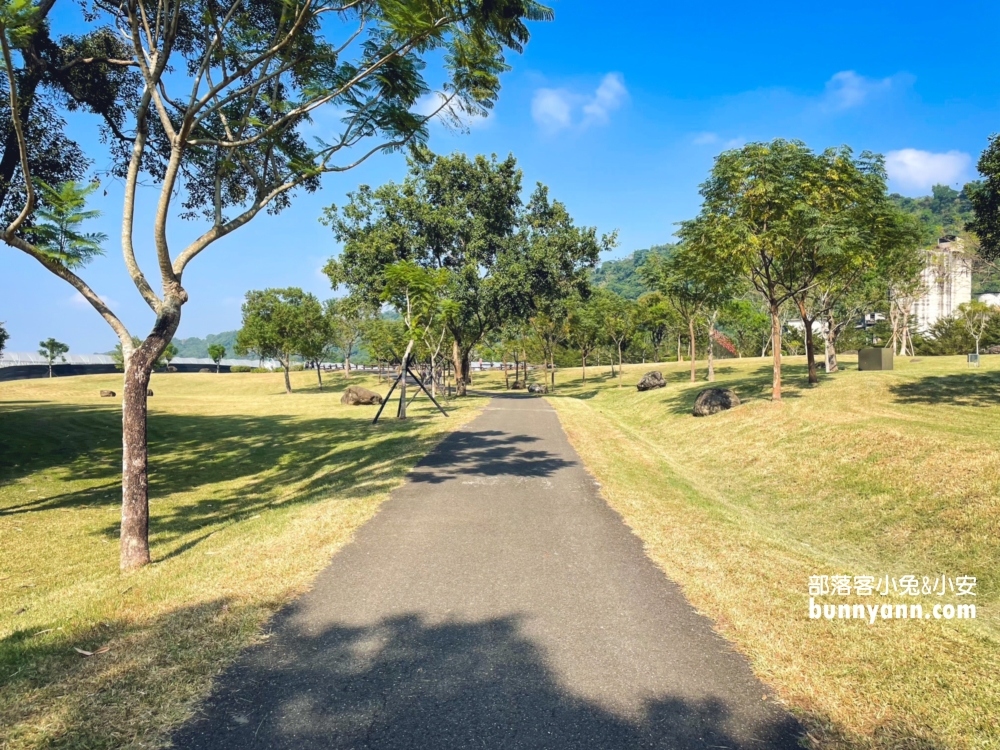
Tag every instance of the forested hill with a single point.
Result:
(622, 276)
(195, 347)
(944, 211)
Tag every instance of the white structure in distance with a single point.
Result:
(946, 282)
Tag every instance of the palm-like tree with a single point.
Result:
(61, 215)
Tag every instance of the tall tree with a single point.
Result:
(584, 328)
(347, 318)
(618, 322)
(466, 216)
(217, 352)
(985, 198)
(59, 221)
(315, 338)
(780, 216)
(215, 114)
(976, 316)
(276, 323)
(3, 337)
(52, 350)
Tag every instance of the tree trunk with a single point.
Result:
(693, 351)
(679, 357)
(218, 367)
(829, 348)
(135, 456)
(50, 368)
(135, 479)
(319, 375)
(287, 366)
(711, 359)
(808, 333)
(584, 358)
(401, 412)
(506, 375)
(347, 365)
(776, 352)
(619, 364)
(458, 362)
(552, 371)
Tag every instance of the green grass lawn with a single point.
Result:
(252, 491)
(868, 473)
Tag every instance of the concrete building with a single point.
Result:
(946, 282)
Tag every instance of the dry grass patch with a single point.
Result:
(252, 492)
(870, 473)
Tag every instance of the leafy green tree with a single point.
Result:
(315, 338)
(169, 352)
(217, 352)
(276, 322)
(985, 199)
(746, 325)
(52, 350)
(464, 215)
(347, 318)
(618, 322)
(585, 330)
(781, 217)
(385, 340)
(3, 337)
(217, 115)
(657, 320)
(59, 220)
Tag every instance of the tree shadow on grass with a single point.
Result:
(244, 464)
(404, 683)
(961, 389)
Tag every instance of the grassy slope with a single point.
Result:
(252, 492)
(880, 473)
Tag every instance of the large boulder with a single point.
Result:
(355, 395)
(517, 385)
(536, 388)
(712, 400)
(107, 394)
(651, 380)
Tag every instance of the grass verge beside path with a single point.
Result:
(252, 491)
(881, 473)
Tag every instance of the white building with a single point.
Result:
(993, 300)
(946, 282)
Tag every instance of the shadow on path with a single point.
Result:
(405, 683)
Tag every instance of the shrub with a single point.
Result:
(240, 368)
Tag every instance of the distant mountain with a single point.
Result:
(622, 276)
(195, 347)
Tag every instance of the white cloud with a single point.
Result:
(912, 168)
(610, 95)
(78, 300)
(847, 90)
(558, 109)
(552, 109)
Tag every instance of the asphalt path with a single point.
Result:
(495, 601)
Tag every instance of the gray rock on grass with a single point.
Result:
(651, 380)
(536, 388)
(714, 400)
(355, 395)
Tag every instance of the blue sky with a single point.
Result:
(621, 115)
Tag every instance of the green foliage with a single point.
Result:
(240, 368)
(492, 260)
(623, 276)
(747, 325)
(52, 350)
(198, 347)
(945, 211)
(217, 352)
(3, 337)
(59, 219)
(985, 200)
(277, 323)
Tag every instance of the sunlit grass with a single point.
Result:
(252, 491)
(868, 473)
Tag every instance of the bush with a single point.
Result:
(261, 369)
(240, 368)
(297, 368)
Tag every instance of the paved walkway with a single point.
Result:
(495, 601)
